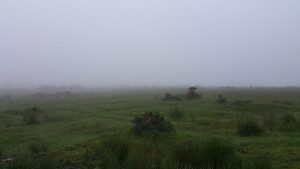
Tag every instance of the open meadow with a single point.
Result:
(220, 128)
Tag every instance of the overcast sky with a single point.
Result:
(150, 42)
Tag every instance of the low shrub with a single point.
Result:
(249, 127)
(191, 94)
(151, 123)
(177, 113)
(30, 115)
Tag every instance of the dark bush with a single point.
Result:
(250, 127)
(191, 94)
(149, 122)
(177, 113)
(30, 115)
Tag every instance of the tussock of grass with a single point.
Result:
(151, 124)
(250, 127)
(124, 153)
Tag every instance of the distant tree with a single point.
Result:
(191, 94)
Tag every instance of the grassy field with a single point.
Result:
(69, 127)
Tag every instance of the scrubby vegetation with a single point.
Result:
(191, 94)
(151, 123)
(30, 115)
(110, 131)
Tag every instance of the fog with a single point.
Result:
(150, 42)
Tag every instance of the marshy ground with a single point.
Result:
(253, 127)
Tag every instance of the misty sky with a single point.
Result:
(150, 42)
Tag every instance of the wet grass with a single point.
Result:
(69, 126)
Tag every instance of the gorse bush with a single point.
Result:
(151, 123)
(30, 115)
(191, 94)
(249, 127)
(176, 114)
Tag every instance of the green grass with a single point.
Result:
(69, 125)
